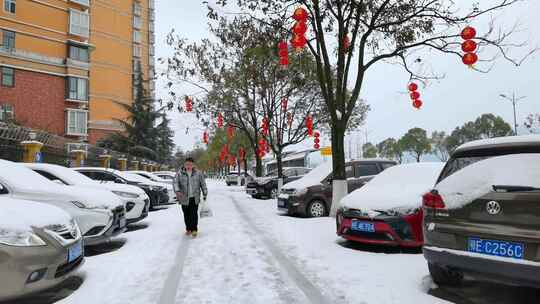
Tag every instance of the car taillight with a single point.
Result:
(433, 200)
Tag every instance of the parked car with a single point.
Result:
(135, 199)
(99, 214)
(388, 209)
(157, 193)
(164, 182)
(166, 175)
(311, 195)
(268, 186)
(483, 217)
(40, 245)
(232, 178)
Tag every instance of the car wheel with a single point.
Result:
(445, 276)
(316, 209)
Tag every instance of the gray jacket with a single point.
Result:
(181, 181)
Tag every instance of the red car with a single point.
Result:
(388, 209)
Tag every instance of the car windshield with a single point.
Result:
(132, 177)
(458, 163)
(21, 177)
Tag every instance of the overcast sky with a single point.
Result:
(461, 96)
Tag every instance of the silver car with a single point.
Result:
(40, 245)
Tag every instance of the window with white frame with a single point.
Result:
(77, 88)
(151, 15)
(8, 40)
(79, 23)
(82, 2)
(137, 50)
(78, 53)
(6, 112)
(137, 22)
(9, 6)
(76, 122)
(136, 66)
(137, 37)
(137, 9)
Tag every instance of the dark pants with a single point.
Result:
(191, 217)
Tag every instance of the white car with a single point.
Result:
(165, 183)
(166, 175)
(99, 214)
(40, 246)
(135, 199)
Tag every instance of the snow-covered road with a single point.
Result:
(246, 253)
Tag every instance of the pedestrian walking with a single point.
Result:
(188, 185)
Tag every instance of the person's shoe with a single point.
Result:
(189, 232)
(194, 234)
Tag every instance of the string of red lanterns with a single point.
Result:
(220, 121)
(283, 52)
(415, 95)
(265, 126)
(317, 140)
(469, 46)
(284, 104)
(309, 125)
(189, 104)
(299, 29)
(206, 138)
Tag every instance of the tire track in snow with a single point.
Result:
(312, 293)
(170, 288)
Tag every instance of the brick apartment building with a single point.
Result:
(66, 65)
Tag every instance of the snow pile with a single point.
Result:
(399, 188)
(314, 177)
(20, 215)
(478, 179)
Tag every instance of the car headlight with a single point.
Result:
(299, 192)
(20, 238)
(125, 194)
(79, 204)
(85, 206)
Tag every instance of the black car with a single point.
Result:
(268, 186)
(158, 194)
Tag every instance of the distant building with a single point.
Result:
(66, 64)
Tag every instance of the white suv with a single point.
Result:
(99, 214)
(135, 199)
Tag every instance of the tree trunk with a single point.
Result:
(339, 182)
(279, 159)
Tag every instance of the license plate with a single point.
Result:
(496, 248)
(281, 203)
(75, 252)
(363, 226)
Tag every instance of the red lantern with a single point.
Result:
(220, 120)
(317, 140)
(282, 45)
(300, 14)
(468, 33)
(317, 134)
(316, 146)
(189, 104)
(300, 28)
(346, 43)
(417, 103)
(470, 58)
(299, 42)
(205, 137)
(413, 87)
(265, 126)
(415, 95)
(469, 46)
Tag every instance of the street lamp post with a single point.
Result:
(513, 100)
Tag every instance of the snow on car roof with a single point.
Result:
(65, 174)
(21, 215)
(23, 178)
(398, 188)
(125, 175)
(478, 179)
(314, 177)
(523, 139)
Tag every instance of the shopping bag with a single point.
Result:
(205, 210)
